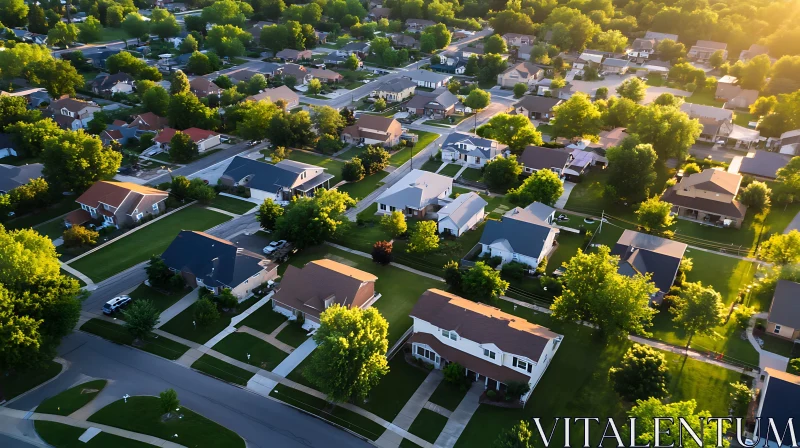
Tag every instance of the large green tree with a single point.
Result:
(483, 283)
(29, 137)
(227, 12)
(516, 131)
(631, 169)
(268, 214)
(182, 149)
(502, 173)
(156, 100)
(59, 77)
(781, 248)
(668, 129)
(576, 117)
(351, 357)
(135, 25)
(655, 215)
(163, 24)
(186, 111)
(327, 120)
(698, 310)
(73, 161)
(642, 373)
(423, 238)
(633, 89)
(645, 411)
(310, 221)
(518, 436)
(13, 12)
(62, 34)
(542, 186)
(595, 292)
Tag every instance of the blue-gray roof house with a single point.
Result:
(470, 150)
(279, 182)
(525, 235)
(778, 400)
(207, 261)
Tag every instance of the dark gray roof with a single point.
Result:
(764, 164)
(540, 104)
(780, 404)
(396, 85)
(356, 46)
(785, 309)
(538, 157)
(441, 98)
(14, 176)
(216, 261)
(271, 178)
(106, 81)
(641, 254)
(525, 232)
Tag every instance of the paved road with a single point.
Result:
(203, 163)
(717, 152)
(10, 442)
(261, 421)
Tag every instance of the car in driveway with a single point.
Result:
(116, 304)
(274, 246)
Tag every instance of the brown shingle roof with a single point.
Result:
(306, 289)
(733, 209)
(717, 181)
(538, 157)
(482, 323)
(113, 193)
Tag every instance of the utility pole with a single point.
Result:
(602, 217)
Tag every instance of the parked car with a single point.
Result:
(116, 303)
(273, 246)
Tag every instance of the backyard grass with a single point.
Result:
(450, 170)
(395, 389)
(428, 425)
(222, 370)
(182, 325)
(447, 396)
(18, 382)
(353, 151)
(472, 174)
(230, 204)
(743, 118)
(139, 246)
(544, 128)
(362, 188)
(263, 319)
(164, 347)
(262, 354)
(705, 97)
(36, 218)
(402, 156)
(576, 384)
(60, 435)
(778, 345)
(143, 415)
(292, 334)
(333, 167)
(317, 406)
(72, 399)
(400, 289)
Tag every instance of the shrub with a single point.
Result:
(77, 236)
(452, 274)
(691, 168)
(551, 284)
(205, 312)
(514, 270)
(454, 373)
(516, 389)
(227, 300)
(382, 252)
(742, 315)
(491, 394)
(643, 373)
(794, 366)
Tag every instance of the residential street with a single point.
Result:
(260, 421)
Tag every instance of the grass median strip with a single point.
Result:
(448, 395)
(232, 205)
(140, 245)
(60, 435)
(241, 345)
(183, 325)
(143, 415)
(222, 370)
(72, 399)
(428, 425)
(164, 347)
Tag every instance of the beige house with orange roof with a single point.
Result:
(118, 204)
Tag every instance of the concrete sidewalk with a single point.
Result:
(22, 415)
(295, 358)
(90, 285)
(411, 409)
(460, 418)
(178, 307)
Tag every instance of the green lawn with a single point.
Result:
(19, 382)
(222, 370)
(292, 334)
(34, 219)
(143, 415)
(402, 156)
(263, 319)
(72, 399)
(353, 151)
(400, 289)
(182, 325)
(52, 229)
(587, 195)
(342, 417)
(164, 347)
(448, 395)
(59, 435)
(544, 128)
(362, 188)
(113, 34)
(262, 354)
(431, 165)
(706, 97)
(408, 444)
(428, 425)
(456, 119)
(655, 81)
(391, 394)
(472, 174)
(160, 300)
(139, 246)
(576, 384)
(778, 345)
(450, 170)
(232, 205)
(743, 118)
(333, 166)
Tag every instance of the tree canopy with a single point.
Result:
(74, 160)
(516, 131)
(642, 373)
(542, 186)
(310, 221)
(576, 117)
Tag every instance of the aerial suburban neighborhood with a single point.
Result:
(450, 224)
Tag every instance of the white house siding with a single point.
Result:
(446, 224)
(262, 195)
(122, 88)
(208, 143)
(498, 250)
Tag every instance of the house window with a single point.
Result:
(777, 329)
(489, 354)
(108, 219)
(428, 354)
(392, 208)
(450, 334)
(524, 365)
(155, 208)
(383, 206)
(477, 160)
(139, 216)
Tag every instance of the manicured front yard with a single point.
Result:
(222, 370)
(183, 324)
(431, 165)
(53, 229)
(428, 425)
(400, 289)
(140, 245)
(402, 156)
(450, 121)
(18, 382)
(262, 354)
(232, 205)
(263, 319)
(362, 188)
(391, 394)
(333, 167)
(161, 301)
(576, 384)
(164, 347)
(292, 334)
(342, 417)
(447, 395)
(60, 435)
(472, 174)
(143, 415)
(72, 399)
(705, 97)
(450, 170)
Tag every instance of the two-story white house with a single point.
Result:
(470, 150)
(71, 113)
(526, 235)
(493, 347)
(416, 194)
